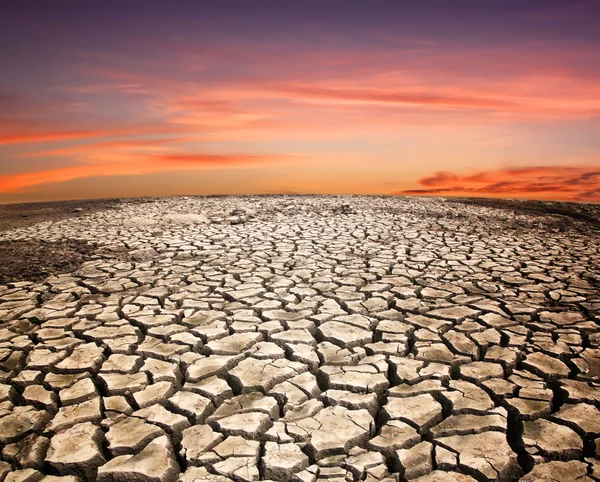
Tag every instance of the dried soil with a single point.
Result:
(33, 260)
(26, 214)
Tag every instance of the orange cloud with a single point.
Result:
(438, 178)
(23, 130)
(426, 97)
(549, 182)
(185, 159)
(123, 145)
(49, 136)
(135, 165)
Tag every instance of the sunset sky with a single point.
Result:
(424, 97)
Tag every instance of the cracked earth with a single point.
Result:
(303, 339)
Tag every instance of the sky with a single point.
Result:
(417, 97)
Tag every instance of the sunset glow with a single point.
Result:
(467, 98)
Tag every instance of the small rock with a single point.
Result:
(155, 463)
(282, 460)
(77, 450)
(550, 440)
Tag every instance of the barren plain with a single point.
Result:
(300, 338)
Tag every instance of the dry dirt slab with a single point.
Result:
(301, 338)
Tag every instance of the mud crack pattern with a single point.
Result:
(304, 339)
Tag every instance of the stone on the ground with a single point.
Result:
(154, 463)
(129, 435)
(282, 460)
(558, 471)
(77, 450)
(550, 440)
(421, 411)
(487, 454)
(332, 430)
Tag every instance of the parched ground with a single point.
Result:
(301, 339)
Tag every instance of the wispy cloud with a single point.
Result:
(133, 164)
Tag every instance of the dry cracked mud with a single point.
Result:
(302, 339)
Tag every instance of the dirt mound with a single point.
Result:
(26, 214)
(33, 260)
